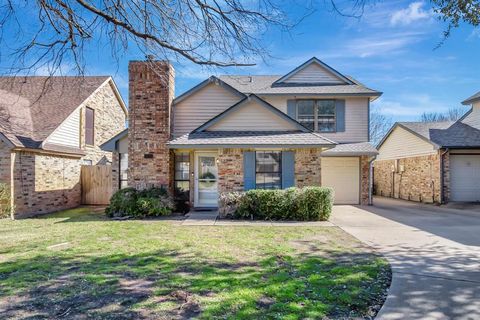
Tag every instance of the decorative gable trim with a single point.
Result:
(241, 103)
(205, 83)
(280, 82)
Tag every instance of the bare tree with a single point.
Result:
(379, 125)
(453, 114)
(209, 33)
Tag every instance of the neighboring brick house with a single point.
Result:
(234, 133)
(49, 127)
(433, 162)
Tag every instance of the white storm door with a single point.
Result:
(206, 180)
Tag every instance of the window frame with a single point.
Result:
(280, 173)
(316, 115)
(175, 180)
(93, 127)
(120, 180)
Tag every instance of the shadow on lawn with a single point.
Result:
(175, 285)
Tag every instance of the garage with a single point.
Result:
(343, 175)
(465, 177)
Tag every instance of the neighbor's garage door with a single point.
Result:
(343, 175)
(465, 177)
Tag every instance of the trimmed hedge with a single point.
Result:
(130, 202)
(301, 204)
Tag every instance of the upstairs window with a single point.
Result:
(89, 126)
(317, 115)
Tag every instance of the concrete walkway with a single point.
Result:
(434, 253)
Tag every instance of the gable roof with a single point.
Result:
(242, 103)
(447, 134)
(111, 144)
(306, 64)
(263, 85)
(205, 83)
(472, 99)
(31, 108)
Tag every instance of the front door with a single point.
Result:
(206, 179)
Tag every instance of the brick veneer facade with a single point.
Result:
(308, 168)
(151, 91)
(420, 180)
(43, 182)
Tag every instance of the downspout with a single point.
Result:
(442, 194)
(370, 182)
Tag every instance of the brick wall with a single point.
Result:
(109, 120)
(308, 167)
(420, 180)
(364, 179)
(446, 175)
(151, 91)
(230, 170)
(44, 183)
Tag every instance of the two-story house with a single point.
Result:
(309, 127)
(432, 161)
(49, 127)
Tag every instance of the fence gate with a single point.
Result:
(96, 184)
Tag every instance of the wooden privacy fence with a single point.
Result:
(96, 184)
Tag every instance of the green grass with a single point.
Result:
(79, 263)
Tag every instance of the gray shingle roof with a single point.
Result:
(263, 85)
(446, 134)
(475, 97)
(31, 108)
(250, 139)
(351, 149)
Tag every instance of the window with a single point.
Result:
(89, 126)
(87, 162)
(182, 176)
(317, 115)
(268, 169)
(123, 166)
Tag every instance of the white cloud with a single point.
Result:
(475, 34)
(414, 12)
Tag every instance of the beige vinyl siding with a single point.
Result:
(402, 144)
(473, 118)
(313, 73)
(356, 117)
(252, 117)
(203, 105)
(67, 133)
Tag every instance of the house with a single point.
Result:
(49, 127)
(308, 127)
(431, 162)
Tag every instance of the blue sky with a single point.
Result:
(390, 49)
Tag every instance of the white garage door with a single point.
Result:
(343, 175)
(465, 177)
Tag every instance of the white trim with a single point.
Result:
(195, 178)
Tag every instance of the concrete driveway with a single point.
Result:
(434, 253)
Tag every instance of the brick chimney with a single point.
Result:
(151, 91)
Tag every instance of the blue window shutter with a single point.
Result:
(288, 169)
(340, 115)
(248, 170)
(292, 109)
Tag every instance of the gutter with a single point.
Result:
(442, 183)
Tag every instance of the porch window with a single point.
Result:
(268, 170)
(122, 172)
(182, 176)
(317, 115)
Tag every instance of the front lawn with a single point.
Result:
(78, 264)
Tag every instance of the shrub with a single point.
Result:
(5, 207)
(140, 203)
(305, 204)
